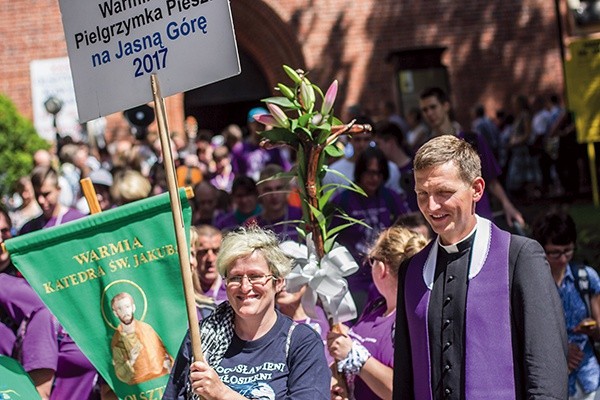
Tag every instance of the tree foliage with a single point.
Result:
(18, 142)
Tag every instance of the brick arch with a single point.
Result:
(267, 38)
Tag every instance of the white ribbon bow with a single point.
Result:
(325, 281)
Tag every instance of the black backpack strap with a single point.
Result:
(582, 283)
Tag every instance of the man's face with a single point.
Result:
(5, 235)
(124, 310)
(47, 197)
(447, 202)
(206, 254)
(434, 112)
(273, 196)
(206, 202)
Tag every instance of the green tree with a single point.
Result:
(18, 142)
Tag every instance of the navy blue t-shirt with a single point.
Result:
(259, 369)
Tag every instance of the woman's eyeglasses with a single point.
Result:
(556, 254)
(254, 280)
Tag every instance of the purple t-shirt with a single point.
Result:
(7, 340)
(379, 212)
(43, 343)
(490, 170)
(284, 227)
(219, 294)
(249, 159)
(41, 223)
(375, 331)
(17, 298)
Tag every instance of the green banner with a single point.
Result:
(113, 281)
(15, 383)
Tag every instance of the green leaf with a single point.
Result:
(281, 175)
(336, 121)
(346, 217)
(324, 198)
(352, 186)
(319, 216)
(280, 101)
(328, 244)
(324, 132)
(304, 120)
(281, 135)
(301, 233)
(333, 151)
(340, 228)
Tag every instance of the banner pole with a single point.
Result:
(90, 195)
(593, 176)
(183, 251)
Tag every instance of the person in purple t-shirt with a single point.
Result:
(248, 157)
(276, 215)
(379, 210)
(365, 353)
(56, 365)
(435, 106)
(47, 191)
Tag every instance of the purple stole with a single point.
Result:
(489, 369)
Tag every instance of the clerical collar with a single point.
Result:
(460, 246)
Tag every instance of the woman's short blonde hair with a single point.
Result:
(129, 185)
(244, 241)
(396, 244)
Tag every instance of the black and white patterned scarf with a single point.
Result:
(216, 333)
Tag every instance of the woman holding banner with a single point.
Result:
(251, 349)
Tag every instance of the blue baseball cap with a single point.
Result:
(256, 111)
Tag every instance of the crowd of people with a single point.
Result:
(430, 237)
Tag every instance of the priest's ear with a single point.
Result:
(478, 187)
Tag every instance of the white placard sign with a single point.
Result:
(52, 77)
(115, 45)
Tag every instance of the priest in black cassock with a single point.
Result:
(478, 314)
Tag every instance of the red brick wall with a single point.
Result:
(495, 49)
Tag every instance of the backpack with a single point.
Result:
(582, 284)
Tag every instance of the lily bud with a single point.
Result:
(329, 98)
(266, 119)
(280, 116)
(292, 74)
(307, 92)
(317, 119)
(286, 91)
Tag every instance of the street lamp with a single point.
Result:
(53, 106)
